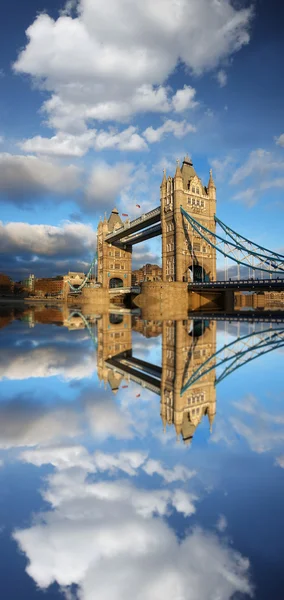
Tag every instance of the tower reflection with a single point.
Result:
(185, 347)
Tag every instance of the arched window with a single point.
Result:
(197, 190)
(193, 189)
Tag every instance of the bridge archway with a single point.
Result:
(115, 319)
(115, 282)
(197, 273)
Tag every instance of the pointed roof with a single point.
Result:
(114, 219)
(188, 171)
(178, 171)
(211, 182)
(188, 431)
(114, 380)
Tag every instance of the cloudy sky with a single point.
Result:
(96, 98)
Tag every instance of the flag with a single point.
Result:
(138, 206)
(124, 215)
(138, 395)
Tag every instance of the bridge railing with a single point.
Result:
(152, 213)
(233, 282)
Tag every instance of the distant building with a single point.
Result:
(49, 286)
(28, 283)
(261, 300)
(6, 285)
(147, 273)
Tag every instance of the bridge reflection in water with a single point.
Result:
(191, 364)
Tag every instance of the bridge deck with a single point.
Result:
(241, 284)
(150, 218)
(147, 381)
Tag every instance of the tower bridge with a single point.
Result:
(192, 238)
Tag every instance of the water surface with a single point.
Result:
(140, 459)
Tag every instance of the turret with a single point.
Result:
(178, 178)
(164, 181)
(211, 187)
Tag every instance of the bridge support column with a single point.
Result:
(168, 299)
(229, 301)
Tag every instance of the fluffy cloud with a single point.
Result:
(178, 128)
(18, 363)
(69, 239)
(94, 70)
(27, 423)
(108, 527)
(128, 139)
(263, 431)
(24, 177)
(259, 163)
(61, 144)
(44, 249)
(222, 524)
(105, 419)
(184, 99)
(66, 144)
(67, 457)
(105, 184)
(178, 473)
(280, 140)
(263, 170)
(222, 78)
(63, 457)
(280, 461)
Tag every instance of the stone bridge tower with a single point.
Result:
(114, 337)
(114, 261)
(185, 255)
(185, 347)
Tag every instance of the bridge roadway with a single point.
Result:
(251, 316)
(131, 227)
(248, 285)
(126, 366)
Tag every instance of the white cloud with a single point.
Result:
(24, 177)
(61, 457)
(25, 423)
(105, 419)
(184, 99)
(17, 364)
(259, 163)
(222, 78)
(280, 140)
(280, 461)
(178, 128)
(68, 457)
(128, 462)
(128, 139)
(263, 431)
(61, 144)
(105, 183)
(47, 240)
(222, 524)
(109, 527)
(178, 473)
(94, 70)
(222, 167)
(66, 144)
(248, 196)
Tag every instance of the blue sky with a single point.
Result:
(97, 98)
